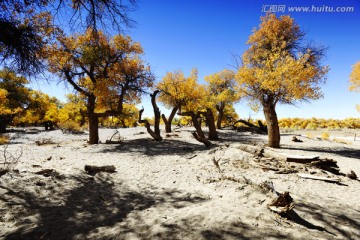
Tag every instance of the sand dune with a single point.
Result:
(172, 189)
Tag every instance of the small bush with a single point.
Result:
(70, 127)
(341, 141)
(309, 135)
(4, 139)
(325, 135)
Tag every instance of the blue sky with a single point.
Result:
(180, 35)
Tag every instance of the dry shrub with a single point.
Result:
(70, 127)
(341, 141)
(309, 135)
(325, 136)
(8, 159)
(4, 139)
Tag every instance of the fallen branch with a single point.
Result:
(282, 204)
(307, 176)
(352, 175)
(328, 165)
(95, 169)
(216, 163)
(295, 139)
(115, 138)
(46, 172)
(302, 159)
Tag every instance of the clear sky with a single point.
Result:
(180, 35)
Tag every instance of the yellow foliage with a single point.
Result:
(355, 78)
(4, 139)
(14, 96)
(315, 123)
(70, 126)
(107, 70)
(222, 93)
(272, 72)
(41, 108)
(325, 136)
(309, 135)
(178, 90)
(338, 140)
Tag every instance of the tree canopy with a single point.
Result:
(223, 95)
(279, 68)
(107, 72)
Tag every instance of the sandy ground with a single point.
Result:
(173, 190)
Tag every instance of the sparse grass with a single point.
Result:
(309, 135)
(4, 139)
(338, 140)
(325, 136)
(70, 127)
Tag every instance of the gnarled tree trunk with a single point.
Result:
(220, 110)
(156, 133)
(168, 121)
(213, 135)
(272, 126)
(195, 121)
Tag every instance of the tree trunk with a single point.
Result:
(93, 121)
(213, 135)
(148, 127)
(169, 120)
(273, 126)
(3, 126)
(195, 121)
(220, 116)
(156, 113)
(156, 133)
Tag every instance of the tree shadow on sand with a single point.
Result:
(343, 152)
(150, 147)
(333, 224)
(339, 220)
(93, 203)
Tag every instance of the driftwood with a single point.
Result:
(352, 175)
(115, 138)
(295, 139)
(262, 152)
(327, 164)
(47, 172)
(282, 204)
(307, 176)
(95, 169)
(216, 163)
(302, 159)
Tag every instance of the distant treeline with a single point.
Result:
(315, 123)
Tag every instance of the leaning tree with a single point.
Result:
(279, 67)
(106, 72)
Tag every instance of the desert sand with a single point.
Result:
(173, 189)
